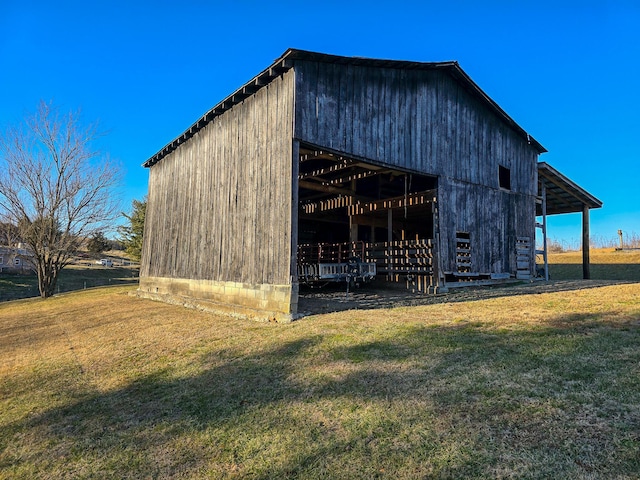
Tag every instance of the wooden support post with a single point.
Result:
(353, 227)
(586, 274)
(353, 230)
(435, 279)
(389, 240)
(406, 192)
(293, 261)
(545, 251)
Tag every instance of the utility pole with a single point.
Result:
(621, 243)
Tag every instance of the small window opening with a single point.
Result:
(505, 177)
(16, 261)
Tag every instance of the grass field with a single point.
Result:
(72, 277)
(100, 384)
(605, 264)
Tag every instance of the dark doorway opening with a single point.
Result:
(355, 210)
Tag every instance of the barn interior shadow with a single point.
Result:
(233, 387)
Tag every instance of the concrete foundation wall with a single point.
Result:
(258, 302)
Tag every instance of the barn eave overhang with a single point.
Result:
(287, 61)
(562, 194)
(252, 86)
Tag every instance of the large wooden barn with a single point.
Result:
(329, 168)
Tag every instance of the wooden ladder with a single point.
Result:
(523, 258)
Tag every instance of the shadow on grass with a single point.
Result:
(629, 272)
(422, 401)
(334, 298)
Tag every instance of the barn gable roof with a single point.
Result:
(287, 61)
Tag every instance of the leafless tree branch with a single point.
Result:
(54, 188)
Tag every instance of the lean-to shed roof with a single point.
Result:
(562, 194)
(287, 61)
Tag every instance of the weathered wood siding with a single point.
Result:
(219, 206)
(421, 120)
(425, 121)
(493, 218)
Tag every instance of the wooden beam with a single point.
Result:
(409, 200)
(322, 171)
(341, 201)
(280, 68)
(551, 193)
(324, 188)
(250, 89)
(239, 97)
(547, 171)
(261, 81)
(353, 176)
(562, 187)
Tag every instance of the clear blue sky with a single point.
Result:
(567, 72)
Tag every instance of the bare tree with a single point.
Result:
(9, 234)
(55, 188)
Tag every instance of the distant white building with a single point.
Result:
(16, 259)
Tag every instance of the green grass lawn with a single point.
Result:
(99, 384)
(73, 277)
